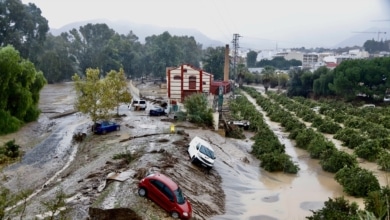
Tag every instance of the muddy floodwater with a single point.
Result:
(253, 193)
(249, 192)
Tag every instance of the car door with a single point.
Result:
(160, 196)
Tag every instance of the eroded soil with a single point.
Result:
(80, 169)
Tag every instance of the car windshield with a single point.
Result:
(179, 196)
(206, 151)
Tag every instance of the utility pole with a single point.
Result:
(235, 51)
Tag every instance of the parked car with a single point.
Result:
(139, 104)
(104, 127)
(167, 194)
(157, 111)
(200, 151)
(240, 123)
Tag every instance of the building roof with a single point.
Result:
(331, 64)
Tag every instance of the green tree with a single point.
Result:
(320, 84)
(116, 84)
(332, 160)
(163, 51)
(266, 76)
(373, 46)
(377, 202)
(92, 97)
(300, 83)
(251, 58)
(242, 70)
(279, 63)
(190, 50)
(365, 77)
(130, 54)
(55, 62)
(213, 61)
(198, 110)
(91, 47)
(20, 85)
(23, 27)
(336, 209)
(357, 181)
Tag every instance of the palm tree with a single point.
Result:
(266, 76)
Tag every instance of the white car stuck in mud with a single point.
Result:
(200, 151)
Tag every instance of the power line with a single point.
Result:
(222, 20)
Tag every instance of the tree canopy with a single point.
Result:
(213, 61)
(97, 97)
(23, 27)
(20, 85)
(368, 78)
(279, 63)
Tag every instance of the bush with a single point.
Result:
(357, 181)
(304, 137)
(278, 162)
(8, 123)
(350, 136)
(333, 160)
(329, 127)
(384, 160)
(368, 150)
(11, 149)
(337, 209)
(197, 109)
(377, 202)
(319, 145)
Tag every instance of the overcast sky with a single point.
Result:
(309, 23)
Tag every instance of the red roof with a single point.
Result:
(331, 64)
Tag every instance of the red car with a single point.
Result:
(165, 193)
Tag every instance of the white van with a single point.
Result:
(200, 151)
(138, 104)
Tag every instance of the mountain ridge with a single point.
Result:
(144, 30)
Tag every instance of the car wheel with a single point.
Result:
(104, 132)
(175, 215)
(142, 192)
(193, 159)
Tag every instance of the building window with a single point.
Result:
(192, 82)
(204, 83)
(177, 77)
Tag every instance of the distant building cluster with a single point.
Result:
(312, 61)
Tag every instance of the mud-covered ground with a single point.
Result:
(236, 188)
(54, 162)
